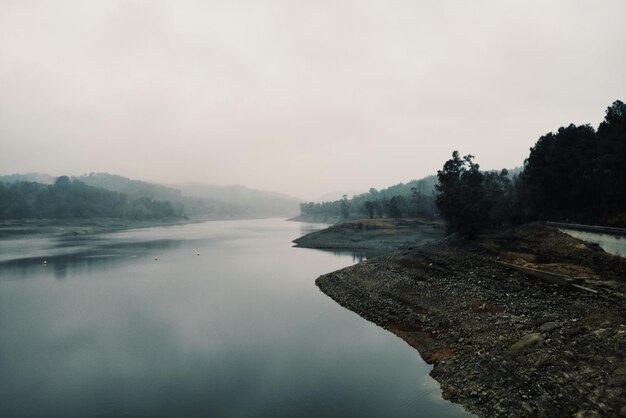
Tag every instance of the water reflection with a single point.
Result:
(239, 331)
(357, 255)
(69, 255)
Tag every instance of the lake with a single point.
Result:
(214, 319)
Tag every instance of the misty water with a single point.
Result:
(240, 330)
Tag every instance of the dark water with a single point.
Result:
(612, 244)
(105, 330)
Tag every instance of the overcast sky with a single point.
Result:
(300, 97)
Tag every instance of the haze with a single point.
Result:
(293, 96)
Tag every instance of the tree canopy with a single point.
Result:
(576, 174)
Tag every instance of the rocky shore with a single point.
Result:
(504, 343)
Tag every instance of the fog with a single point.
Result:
(297, 97)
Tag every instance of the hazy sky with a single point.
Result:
(301, 97)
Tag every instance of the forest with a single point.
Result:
(74, 199)
(413, 199)
(32, 195)
(576, 174)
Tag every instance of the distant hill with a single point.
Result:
(411, 199)
(73, 199)
(132, 188)
(330, 196)
(191, 199)
(242, 200)
(425, 185)
(34, 177)
(196, 199)
(415, 198)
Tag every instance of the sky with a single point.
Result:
(298, 97)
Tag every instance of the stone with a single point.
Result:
(527, 341)
(549, 327)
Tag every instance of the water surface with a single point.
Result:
(612, 244)
(137, 324)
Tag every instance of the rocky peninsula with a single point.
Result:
(528, 322)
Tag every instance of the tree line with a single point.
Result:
(140, 199)
(576, 174)
(413, 199)
(74, 199)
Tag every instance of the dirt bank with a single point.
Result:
(504, 343)
(381, 235)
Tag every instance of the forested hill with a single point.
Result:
(32, 177)
(31, 196)
(576, 174)
(242, 201)
(68, 199)
(132, 188)
(411, 199)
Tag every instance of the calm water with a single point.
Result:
(612, 244)
(105, 330)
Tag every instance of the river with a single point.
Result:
(215, 319)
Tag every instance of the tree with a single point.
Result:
(368, 206)
(499, 194)
(461, 198)
(420, 205)
(559, 175)
(611, 165)
(345, 207)
(395, 206)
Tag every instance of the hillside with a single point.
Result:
(31, 177)
(190, 199)
(241, 200)
(412, 199)
(132, 188)
(73, 199)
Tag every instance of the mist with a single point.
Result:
(296, 97)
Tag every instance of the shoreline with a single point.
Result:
(20, 228)
(503, 343)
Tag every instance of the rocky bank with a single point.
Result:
(503, 343)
